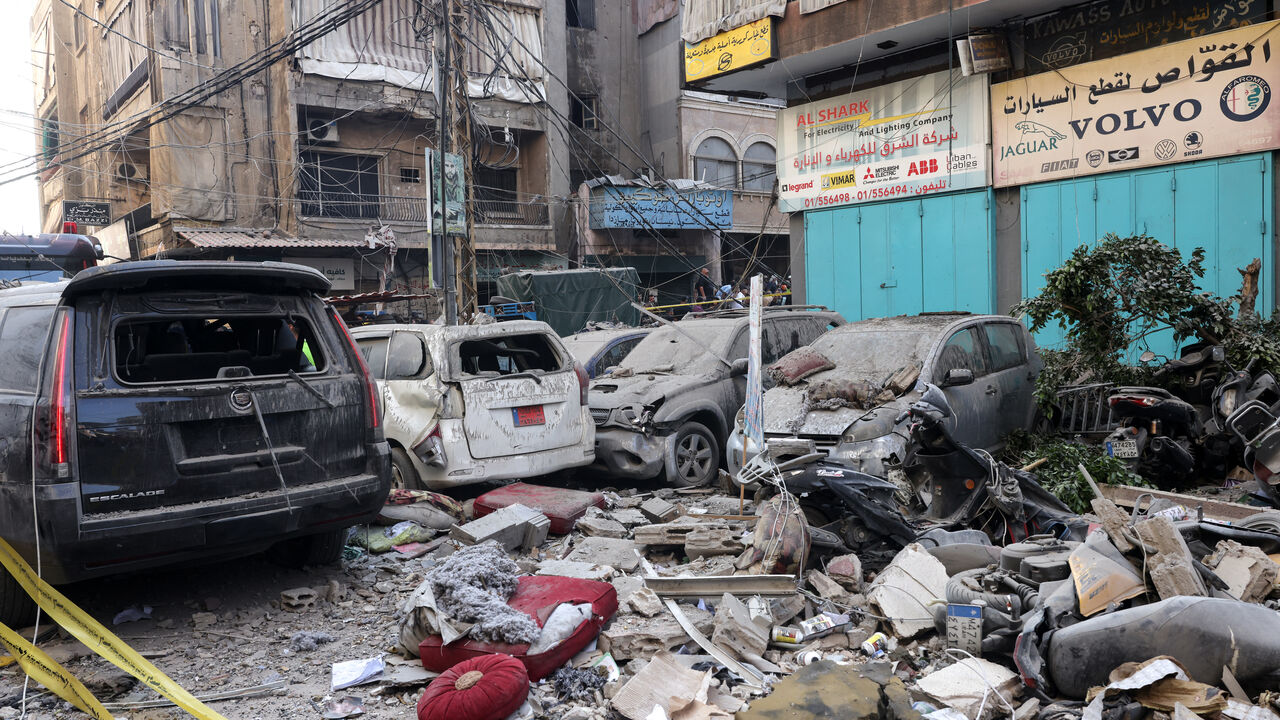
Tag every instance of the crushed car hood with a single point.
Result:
(644, 389)
(784, 413)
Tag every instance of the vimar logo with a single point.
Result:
(833, 181)
(1245, 98)
(1035, 138)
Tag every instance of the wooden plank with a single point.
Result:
(1126, 496)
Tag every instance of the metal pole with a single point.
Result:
(443, 80)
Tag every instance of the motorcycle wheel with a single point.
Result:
(1269, 521)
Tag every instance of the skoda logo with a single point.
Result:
(1245, 98)
(241, 399)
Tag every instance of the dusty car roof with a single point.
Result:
(604, 334)
(455, 331)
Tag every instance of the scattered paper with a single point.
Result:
(356, 672)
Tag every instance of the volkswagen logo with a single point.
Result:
(241, 399)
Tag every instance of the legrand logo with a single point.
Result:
(127, 496)
(796, 187)
(839, 180)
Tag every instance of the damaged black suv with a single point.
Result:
(667, 409)
(162, 412)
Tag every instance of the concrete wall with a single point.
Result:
(604, 62)
(661, 60)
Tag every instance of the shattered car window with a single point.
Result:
(962, 351)
(667, 350)
(191, 348)
(509, 354)
(873, 354)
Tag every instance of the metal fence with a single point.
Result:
(392, 208)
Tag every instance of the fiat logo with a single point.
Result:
(241, 399)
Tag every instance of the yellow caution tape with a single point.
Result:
(44, 670)
(7, 660)
(98, 638)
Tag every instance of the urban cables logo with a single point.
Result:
(1245, 98)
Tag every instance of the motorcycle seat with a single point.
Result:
(1141, 390)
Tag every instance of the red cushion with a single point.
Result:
(536, 596)
(562, 506)
(500, 690)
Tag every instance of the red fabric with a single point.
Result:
(499, 693)
(562, 507)
(536, 596)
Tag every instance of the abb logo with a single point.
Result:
(922, 167)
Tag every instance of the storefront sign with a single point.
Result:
(340, 271)
(916, 137)
(662, 209)
(1189, 100)
(730, 50)
(83, 212)
(1106, 28)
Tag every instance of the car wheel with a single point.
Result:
(323, 548)
(17, 609)
(696, 459)
(403, 475)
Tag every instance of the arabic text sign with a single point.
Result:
(82, 212)
(666, 209)
(916, 137)
(1189, 100)
(730, 50)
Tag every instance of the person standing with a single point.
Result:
(703, 290)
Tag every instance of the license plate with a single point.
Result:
(529, 415)
(1123, 448)
(964, 627)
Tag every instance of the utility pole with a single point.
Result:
(465, 249)
(442, 242)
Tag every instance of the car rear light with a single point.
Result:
(54, 419)
(431, 449)
(584, 382)
(1143, 400)
(70, 228)
(371, 390)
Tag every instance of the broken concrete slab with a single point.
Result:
(629, 517)
(1248, 572)
(617, 553)
(713, 586)
(625, 585)
(825, 690)
(708, 541)
(575, 569)
(659, 510)
(600, 527)
(642, 602)
(513, 526)
(969, 684)
(1114, 521)
(904, 590)
(736, 631)
(629, 637)
(298, 599)
(826, 587)
(672, 533)
(1170, 566)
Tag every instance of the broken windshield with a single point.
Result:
(669, 351)
(873, 355)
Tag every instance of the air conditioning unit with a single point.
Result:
(322, 130)
(131, 172)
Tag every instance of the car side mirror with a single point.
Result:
(958, 376)
(609, 370)
(738, 367)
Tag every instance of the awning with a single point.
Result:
(254, 238)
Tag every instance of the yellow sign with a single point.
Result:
(730, 50)
(832, 181)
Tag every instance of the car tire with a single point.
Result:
(324, 548)
(695, 459)
(17, 609)
(404, 476)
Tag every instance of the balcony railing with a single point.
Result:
(391, 208)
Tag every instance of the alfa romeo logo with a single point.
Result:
(1245, 98)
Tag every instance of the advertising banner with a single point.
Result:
(920, 136)
(1189, 100)
(730, 50)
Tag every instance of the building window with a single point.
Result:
(580, 13)
(715, 162)
(410, 175)
(335, 185)
(758, 167)
(585, 112)
(49, 140)
(497, 199)
(77, 25)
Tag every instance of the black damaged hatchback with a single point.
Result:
(162, 412)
